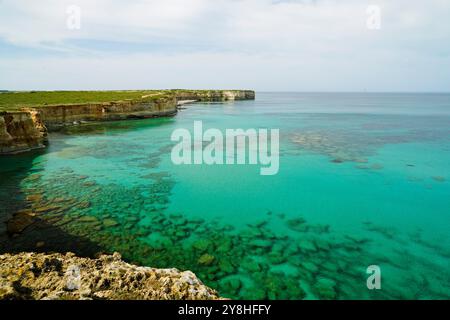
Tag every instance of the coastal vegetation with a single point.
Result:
(15, 100)
(10, 101)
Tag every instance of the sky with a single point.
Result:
(265, 45)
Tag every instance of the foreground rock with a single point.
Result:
(58, 276)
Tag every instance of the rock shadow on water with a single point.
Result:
(13, 171)
(42, 236)
(103, 128)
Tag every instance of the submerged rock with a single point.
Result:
(62, 277)
(110, 223)
(84, 204)
(310, 267)
(34, 177)
(46, 208)
(438, 178)
(277, 258)
(206, 259)
(325, 288)
(34, 197)
(297, 224)
(202, 245)
(251, 265)
(376, 166)
(226, 266)
(259, 243)
(322, 244)
(225, 246)
(20, 221)
(88, 219)
(306, 245)
(232, 285)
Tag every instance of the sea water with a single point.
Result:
(363, 180)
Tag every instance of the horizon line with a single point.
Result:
(261, 91)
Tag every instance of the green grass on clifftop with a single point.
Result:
(15, 100)
(10, 101)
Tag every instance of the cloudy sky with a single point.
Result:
(270, 45)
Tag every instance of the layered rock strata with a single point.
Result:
(62, 115)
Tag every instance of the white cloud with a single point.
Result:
(302, 45)
(225, 70)
(245, 22)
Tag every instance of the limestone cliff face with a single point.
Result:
(57, 276)
(61, 115)
(21, 131)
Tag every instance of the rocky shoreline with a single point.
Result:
(57, 276)
(26, 129)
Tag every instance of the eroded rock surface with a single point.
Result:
(58, 276)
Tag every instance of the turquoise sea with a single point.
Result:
(364, 179)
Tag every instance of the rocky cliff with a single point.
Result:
(21, 131)
(57, 276)
(61, 115)
(26, 129)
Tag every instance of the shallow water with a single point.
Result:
(363, 180)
